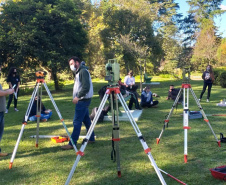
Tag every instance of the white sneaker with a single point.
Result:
(207, 100)
(199, 99)
(6, 111)
(16, 109)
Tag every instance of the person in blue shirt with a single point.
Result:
(45, 114)
(147, 99)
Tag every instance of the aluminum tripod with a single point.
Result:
(114, 91)
(186, 88)
(40, 82)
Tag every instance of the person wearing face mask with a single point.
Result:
(2, 110)
(13, 80)
(208, 78)
(82, 94)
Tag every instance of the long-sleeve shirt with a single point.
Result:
(146, 97)
(207, 77)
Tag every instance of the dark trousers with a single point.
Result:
(1, 125)
(204, 89)
(134, 100)
(146, 104)
(11, 98)
(81, 115)
(132, 88)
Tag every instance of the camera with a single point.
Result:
(112, 72)
(40, 74)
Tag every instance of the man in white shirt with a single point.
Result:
(129, 82)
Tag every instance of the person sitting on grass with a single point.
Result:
(45, 114)
(147, 99)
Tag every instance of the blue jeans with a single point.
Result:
(81, 115)
(1, 125)
(43, 116)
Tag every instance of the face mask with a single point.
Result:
(72, 67)
(208, 68)
(14, 73)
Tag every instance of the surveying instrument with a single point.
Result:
(112, 76)
(186, 86)
(38, 92)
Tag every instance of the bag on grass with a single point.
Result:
(219, 172)
(222, 138)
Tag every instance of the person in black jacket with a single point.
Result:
(208, 78)
(13, 79)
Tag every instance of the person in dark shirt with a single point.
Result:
(172, 93)
(45, 114)
(147, 99)
(208, 78)
(13, 80)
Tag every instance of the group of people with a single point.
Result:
(82, 94)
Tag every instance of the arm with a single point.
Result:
(84, 79)
(6, 92)
(203, 76)
(125, 81)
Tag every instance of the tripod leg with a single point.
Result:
(115, 132)
(204, 116)
(185, 122)
(169, 115)
(147, 150)
(61, 119)
(23, 125)
(38, 114)
(80, 153)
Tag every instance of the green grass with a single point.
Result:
(48, 164)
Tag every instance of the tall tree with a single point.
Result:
(47, 32)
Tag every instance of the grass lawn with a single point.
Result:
(48, 164)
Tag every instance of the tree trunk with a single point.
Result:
(56, 83)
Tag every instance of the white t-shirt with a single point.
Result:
(129, 80)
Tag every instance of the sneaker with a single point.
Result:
(207, 100)
(199, 99)
(3, 154)
(16, 109)
(67, 147)
(6, 111)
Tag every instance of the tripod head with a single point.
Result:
(186, 75)
(40, 74)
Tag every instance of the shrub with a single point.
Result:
(222, 79)
(217, 73)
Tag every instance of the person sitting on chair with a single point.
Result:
(147, 99)
(129, 82)
(45, 114)
(133, 99)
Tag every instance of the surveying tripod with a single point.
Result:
(38, 92)
(116, 95)
(186, 86)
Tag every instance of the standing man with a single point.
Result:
(2, 110)
(82, 94)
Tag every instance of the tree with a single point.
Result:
(221, 52)
(45, 33)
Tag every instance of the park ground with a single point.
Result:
(48, 164)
